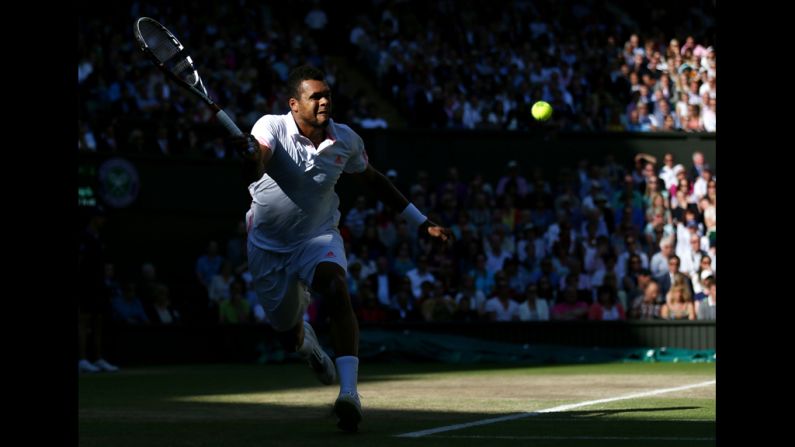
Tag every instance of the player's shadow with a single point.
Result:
(599, 413)
(238, 424)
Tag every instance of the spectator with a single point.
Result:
(128, 308)
(162, 311)
(236, 309)
(673, 276)
(208, 265)
(606, 306)
(677, 305)
(699, 276)
(501, 307)
(707, 307)
(357, 216)
(385, 282)
(648, 305)
(659, 262)
(403, 303)
(569, 307)
(419, 275)
(532, 307)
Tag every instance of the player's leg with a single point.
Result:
(324, 266)
(304, 340)
(329, 282)
(285, 297)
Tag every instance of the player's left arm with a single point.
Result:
(390, 195)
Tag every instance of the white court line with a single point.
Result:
(511, 417)
(578, 438)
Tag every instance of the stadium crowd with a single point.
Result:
(440, 64)
(595, 241)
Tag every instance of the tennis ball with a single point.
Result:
(541, 111)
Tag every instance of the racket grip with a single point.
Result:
(227, 123)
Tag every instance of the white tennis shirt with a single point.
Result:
(295, 198)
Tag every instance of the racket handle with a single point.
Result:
(227, 123)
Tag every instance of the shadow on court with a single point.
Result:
(281, 405)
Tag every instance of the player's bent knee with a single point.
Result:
(287, 313)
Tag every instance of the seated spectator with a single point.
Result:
(220, 284)
(420, 275)
(569, 307)
(501, 307)
(578, 279)
(531, 307)
(402, 308)
(546, 291)
(697, 278)
(673, 276)
(611, 280)
(648, 305)
(659, 262)
(208, 265)
(370, 310)
(473, 297)
(677, 305)
(691, 255)
(403, 262)
(707, 308)
(354, 280)
(236, 309)
(384, 282)
(439, 306)
(162, 312)
(607, 306)
(464, 310)
(128, 307)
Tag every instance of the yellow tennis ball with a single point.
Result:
(541, 111)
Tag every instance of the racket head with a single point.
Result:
(166, 51)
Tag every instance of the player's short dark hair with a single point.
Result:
(301, 74)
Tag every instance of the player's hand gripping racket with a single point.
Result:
(172, 58)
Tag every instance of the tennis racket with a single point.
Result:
(164, 49)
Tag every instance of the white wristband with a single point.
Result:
(413, 215)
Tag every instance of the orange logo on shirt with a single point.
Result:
(330, 255)
(338, 160)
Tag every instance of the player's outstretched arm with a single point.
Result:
(390, 195)
(254, 153)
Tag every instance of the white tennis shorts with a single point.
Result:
(282, 280)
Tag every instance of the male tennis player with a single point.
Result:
(294, 244)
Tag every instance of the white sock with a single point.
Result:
(348, 373)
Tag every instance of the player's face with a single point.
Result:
(314, 105)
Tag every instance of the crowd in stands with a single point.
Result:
(592, 242)
(468, 65)
(243, 54)
(442, 64)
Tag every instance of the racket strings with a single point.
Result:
(164, 48)
(184, 69)
(158, 41)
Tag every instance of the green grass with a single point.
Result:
(283, 405)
